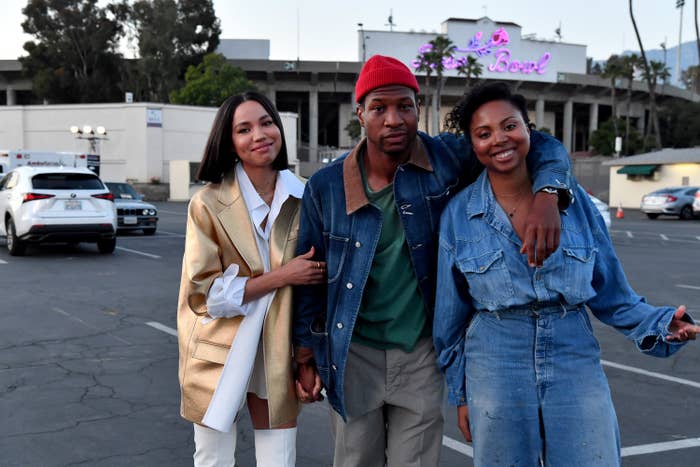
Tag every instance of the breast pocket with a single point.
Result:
(572, 274)
(489, 279)
(336, 250)
(436, 203)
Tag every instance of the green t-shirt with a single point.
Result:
(392, 313)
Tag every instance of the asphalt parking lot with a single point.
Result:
(88, 362)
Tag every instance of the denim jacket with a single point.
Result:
(480, 268)
(343, 227)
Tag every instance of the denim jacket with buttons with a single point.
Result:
(343, 227)
(480, 268)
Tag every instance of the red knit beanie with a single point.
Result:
(383, 71)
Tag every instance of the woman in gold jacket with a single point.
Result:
(235, 303)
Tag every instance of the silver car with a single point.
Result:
(675, 201)
(132, 212)
(696, 204)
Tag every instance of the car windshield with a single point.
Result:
(123, 190)
(66, 181)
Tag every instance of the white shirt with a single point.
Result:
(225, 298)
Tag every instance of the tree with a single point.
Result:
(691, 78)
(211, 82)
(603, 139)
(471, 69)
(628, 69)
(697, 42)
(654, 115)
(171, 36)
(74, 56)
(680, 124)
(431, 58)
(613, 70)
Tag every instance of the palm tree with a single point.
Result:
(423, 62)
(432, 59)
(613, 70)
(648, 77)
(697, 40)
(629, 66)
(471, 69)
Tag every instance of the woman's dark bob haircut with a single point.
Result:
(219, 155)
(460, 118)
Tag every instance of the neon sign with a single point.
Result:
(495, 45)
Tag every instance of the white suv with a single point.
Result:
(56, 204)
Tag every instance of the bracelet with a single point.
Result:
(550, 191)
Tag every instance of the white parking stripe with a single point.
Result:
(136, 252)
(172, 234)
(652, 374)
(2, 261)
(629, 234)
(162, 327)
(663, 237)
(68, 315)
(683, 286)
(698, 237)
(660, 447)
(458, 446)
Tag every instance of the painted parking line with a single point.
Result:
(2, 261)
(684, 286)
(629, 234)
(162, 327)
(458, 446)
(87, 325)
(651, 374)
(172, 234)
(660, 447)
(137, 252)
(663, 237)
(698, 237)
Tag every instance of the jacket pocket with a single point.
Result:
(336, 250)
(575, 276)
(489, 279)
(210, 352)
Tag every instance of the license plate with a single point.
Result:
(73, 205)
(130, 220)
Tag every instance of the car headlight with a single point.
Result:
(151, 212)
(145, 212)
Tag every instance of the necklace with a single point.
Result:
(512, 210)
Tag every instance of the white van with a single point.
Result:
(10, 160)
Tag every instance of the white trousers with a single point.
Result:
(273, 448)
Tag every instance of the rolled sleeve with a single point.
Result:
(225, 298)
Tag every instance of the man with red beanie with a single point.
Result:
(373, 217)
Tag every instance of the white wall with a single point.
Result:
(132, 150)
(629, 193)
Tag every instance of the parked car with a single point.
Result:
(132, 212)
(602, 208)
(56, 204)
(675, 201)
(696, 204)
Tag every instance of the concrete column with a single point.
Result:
(313, 125)
(641, 123)
(568, 126)
(539, 114)
(271, 94)
(11, 100)
(592, 118)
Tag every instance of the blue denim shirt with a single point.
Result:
(480, 268)
(343, 227)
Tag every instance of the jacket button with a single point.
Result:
(339, 325)
(335, 368)
(358, 244)
(349, 285)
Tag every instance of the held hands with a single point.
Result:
(542, 229)
(302, 270)
(681, 330)
(308, 383)
(463, 422)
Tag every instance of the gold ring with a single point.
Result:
(318, 264)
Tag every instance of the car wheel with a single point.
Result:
(15, 246)
(107, 246)
(651, 215)
(686, 213)
(150, 231)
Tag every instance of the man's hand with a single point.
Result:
(542, 229)
(463, 422)
(308, 383)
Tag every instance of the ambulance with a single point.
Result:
(9, 160)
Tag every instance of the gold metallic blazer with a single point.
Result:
(220, 233)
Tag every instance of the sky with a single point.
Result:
(327, 29)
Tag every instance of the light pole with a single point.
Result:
(364, 47)
(93, 136)
(679, 5)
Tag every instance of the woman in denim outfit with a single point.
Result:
(521, 361)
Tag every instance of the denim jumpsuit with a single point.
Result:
(516, 343)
